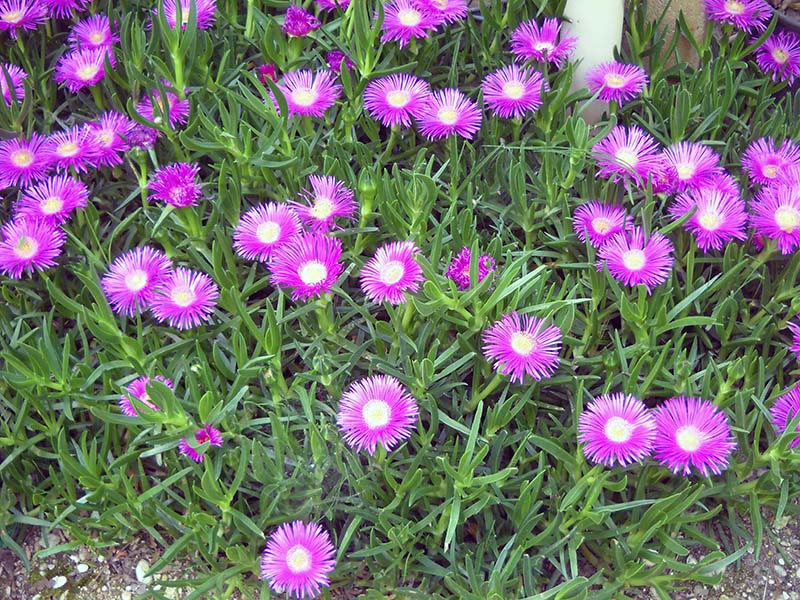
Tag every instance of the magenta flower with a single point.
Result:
(298, 559)
(152, 108)
(334, 59)
(449, 112)
(764, 162)
(299, 22)
(176, 184)
(108, 137)
(747, 15)
(133, 278)
(616, 428)
(775, 214)
(691, 164)
(309, 264)
(308, 93)
(458, 271)
(512, 91)
(795, 347)
(328, 199)
(185, 299)
(392, 272)
(21, 14)
(138, 389)
(627, 152)
(72, 148)
(394, 99)
(207, 434)
(24, 161)
(376, 411)
(779, 56)
(616, 82)
(691, 432)
(530, 42)
(93, 33)
(80, 68)
(204, 10)
(783, 412)
(142, 137)
(267, 72)
(633, 260)
(65, 9)
(16, 92)
(448, 11)
(263, 229)
(52, 200)
(29, 246)
(332, 4)
(719, 218)
(404, 20)
(598, 222)
(521, 345)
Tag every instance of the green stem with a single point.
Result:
(408, 314)
(484, 391)
(98, 98)
(387, 154)
(452, 151)
(323, 314)
(249, 23)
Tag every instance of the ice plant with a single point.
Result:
(204, 11)
(21, 14)
(11, 86)
(598, 222)
(138, 389)
(267, 72)
(185, 299)
(404, 20)
(795, 347)
(52, 200)
(719, 217)
(29, 246)
(747, 15)
(132, 279)
(23, 161)
(309, 93)
(449, 112)
(779, 56)
(395, 99)
(334, 59)
(93, 33)
(765, 162)
(627, 152)
(65, 9)
(529, 41)
(376, 411)
(775, 214)
(176, 184)
(263, 229)
(152, 108)
(513, 91)
(616, 82)
(328, 199)
(522, 345)
(81, 68)
(634, 260)
(298, 559)
(298, 22)
(309, 264)
(458, 271)
(616, 428)
(109, 138)
(332, 4)
(692, 433)
(691, 164)
(449, 11)
(208, 434)
(784, 411)
(72, 148)
(391, 272)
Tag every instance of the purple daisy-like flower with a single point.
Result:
(449, 112)
(133, 278)
(449, 11)
(298, 22)
(627, 152)
(512, 91)
(204, 10)
(616, 428)
(747, 15)
(598, 222)
(72, 148)
(29, 246)
(65, 9)
(21, 14)
(691, 165)
(327, 200)
(309, 264)
(779, 56)
(138, 389)
(784, 411)
(24, 161)
(616, 82)
(775, 214)
(376, 411)
(176, 184)
(334, 59)
(531, 42)
(395, 99)
(719, 218)
(691, 432)
(208, 434)
(52, 200)
(521, 345)
(332, 4)
(108, 136)
(263, 229)
(13, 75)
(297, 560)
(795, 330)
(391, 272)
(458, 271)
(152, 108)
(633, 260)
(309, 93)
(405, 19)
(93, 33)
(185, 299)
(80, 68)
(764, 162)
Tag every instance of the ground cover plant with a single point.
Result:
(350, 301)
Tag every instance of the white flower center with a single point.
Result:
(513, 89)
(634, 260)
(734, 7)
(67, 149)
(780, 55)
(97, 37)
(409, 17)
(183, 296)
(614, 80)
(685, 170)
(601, 225)
(618, 430)
(298, 559)
(447, 115)
(710, 220)
(12, 16)
(376, 413)
(543, 47)
(87, 72)
(322, 208)
(522, 343)
(770, 171)
(313, 272)
(268, 232)
(21, 158)
(787, 218)
(52, 205)
(688, 438)
(26, 247)
(136, 280)
(627, 157)
(398, 98)
(392, 272)
(304, 96)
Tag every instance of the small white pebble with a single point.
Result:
(781, 562)
(101, 558)
(59, 581)
(126, 595)
(74, 558)
(82, 568)
(141, 568)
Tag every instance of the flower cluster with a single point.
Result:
(91, 42)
